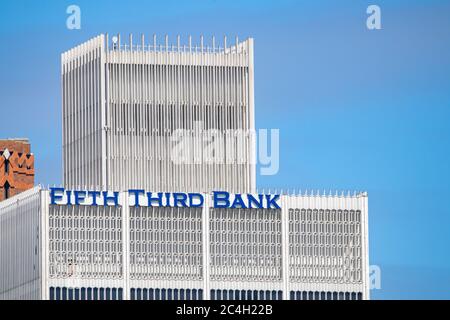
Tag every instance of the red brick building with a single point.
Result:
(16, 167)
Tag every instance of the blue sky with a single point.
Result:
(356, 109)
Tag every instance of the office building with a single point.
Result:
(130, 222)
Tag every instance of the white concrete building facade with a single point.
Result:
(314, 247)
(122, 104)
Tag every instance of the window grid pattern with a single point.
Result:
(325, 246)
(325, 295)
(245, 244)
(166, 243)
(85, 242)
(246, 294)
(165, 294)
(65, 293)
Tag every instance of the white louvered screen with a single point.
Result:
(85, 242)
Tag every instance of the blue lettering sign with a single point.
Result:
(221, 199)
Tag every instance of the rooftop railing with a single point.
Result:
(114, 43)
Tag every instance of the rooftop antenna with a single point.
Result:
(115, 39)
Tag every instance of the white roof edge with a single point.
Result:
(19, 197)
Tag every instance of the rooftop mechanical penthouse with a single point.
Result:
(122, 103)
